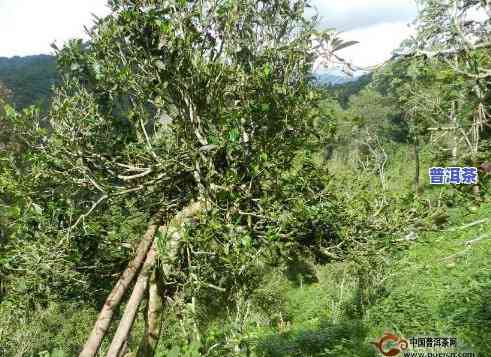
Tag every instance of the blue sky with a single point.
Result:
(29, 26)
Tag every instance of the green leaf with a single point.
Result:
(57, 353)
(174, 352)
(37, 208)
(166, 27)
(246, 241)
(96, 67)
(234, 135)
(14, 212)
(75, 67)
(345, 45)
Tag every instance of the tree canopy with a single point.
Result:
(173, 102)
(191, 190)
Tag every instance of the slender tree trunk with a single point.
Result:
(477, 192)
(126, 323)
(124, 350)
(454, 155)
(173, 234)
(455, 138)
(113, 300)
(417, 165)
(197, 335)
(172, 238)
(153, 321)
(476, 189)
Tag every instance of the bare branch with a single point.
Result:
(132, 177)
(132, 168)
(148, 140)
(85, 215)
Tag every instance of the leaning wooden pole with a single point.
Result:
(173, 234)
(124, 328)
(113, 300)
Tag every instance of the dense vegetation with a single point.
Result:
(272, 217)
(29, 78)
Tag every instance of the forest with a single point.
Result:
(29, 79)
(181, 185)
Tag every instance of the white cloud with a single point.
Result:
(379, 25)
(377, 42)
(30, 26)
(346, 15)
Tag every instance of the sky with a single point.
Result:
(379, 25)
(29, 26)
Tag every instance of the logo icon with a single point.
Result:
(390, 344)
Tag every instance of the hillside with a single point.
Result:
(439, 286)
(29, 78)
(193, 190)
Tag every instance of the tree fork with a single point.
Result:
(155, 306)
(114, 299)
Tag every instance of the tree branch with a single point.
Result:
(132, 177)
(85, 215)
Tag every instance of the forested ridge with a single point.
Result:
(30, 79)
(181, 185)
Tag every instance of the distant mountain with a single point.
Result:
(30, 78)
(344, 91)
(336, 77)
(333, 79)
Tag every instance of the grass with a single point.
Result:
(440, 286)
(434, 286)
